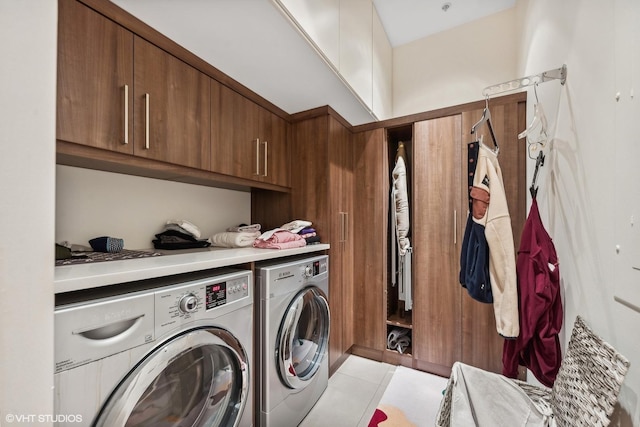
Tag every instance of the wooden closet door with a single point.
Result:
(371, 198)
(436, 241)
(481, 344)
(95, 62)
(341, 141)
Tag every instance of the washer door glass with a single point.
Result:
(197, 378)
(303, 337)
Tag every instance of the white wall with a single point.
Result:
(589, 186)
(93, 203)
(452, 67)
(28, 31)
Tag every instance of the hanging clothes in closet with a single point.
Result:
(541, 312)
(538, 346)
(401, 259)
(474, 257)
(497, 225)
(490, 210)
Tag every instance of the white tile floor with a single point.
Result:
(352, 395)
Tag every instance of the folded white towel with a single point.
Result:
(246, 228)
(231, 239)
(187, 226)
(296, 225)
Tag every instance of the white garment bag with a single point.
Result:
(401, 259)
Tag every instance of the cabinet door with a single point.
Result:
(436, 215)
(371, 197)
(95, 64)
(341, 141)
(274, 150)
(235, 146)
(171, 116)
(481, 344)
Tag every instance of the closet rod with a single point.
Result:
(555, 74)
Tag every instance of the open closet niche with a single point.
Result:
(399, 306)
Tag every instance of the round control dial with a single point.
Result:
(188, 303)
(308, 271)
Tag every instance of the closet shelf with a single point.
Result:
(403, 322)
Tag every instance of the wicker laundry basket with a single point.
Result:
(585, 390)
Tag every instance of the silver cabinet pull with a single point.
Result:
(266, 146)
(126, 114)
(455, 227)
(146, 121)
(257, 157)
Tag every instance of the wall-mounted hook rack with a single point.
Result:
(511, 85)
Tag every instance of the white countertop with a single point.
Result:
(92, 275)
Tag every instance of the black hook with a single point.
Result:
(539, 162)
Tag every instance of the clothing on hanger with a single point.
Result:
(538, 346)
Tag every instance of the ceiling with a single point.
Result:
(407, 20)
(252, 41)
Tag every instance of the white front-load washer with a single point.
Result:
(174, 351)
(294, 335)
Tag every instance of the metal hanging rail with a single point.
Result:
(555, 74)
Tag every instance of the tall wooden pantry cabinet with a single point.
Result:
(322, 183)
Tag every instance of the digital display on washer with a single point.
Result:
(216, 295)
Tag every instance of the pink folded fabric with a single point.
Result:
(281, 240)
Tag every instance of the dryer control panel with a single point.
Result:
(315, 268)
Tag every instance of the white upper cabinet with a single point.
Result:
(356, 47)
(381, 72)
(350, 37)
(319, 20)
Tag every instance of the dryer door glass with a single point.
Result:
(303, 337)
(197, 378)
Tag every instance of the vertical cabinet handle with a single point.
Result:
(266, 146)
(257, 156)
(343, 226)
(346, 226)
(126, 114)
(455, 227)
(146, 121)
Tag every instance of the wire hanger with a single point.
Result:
(538, 118)
(486, 117)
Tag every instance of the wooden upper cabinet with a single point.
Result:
(103, 88)
(95, 65)
(276, 150)
(234, 128)
(247, 141)
(171, 108)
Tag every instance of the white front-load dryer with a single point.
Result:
(165, 352)
(294, 334)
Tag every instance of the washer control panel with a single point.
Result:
(195, 300)
(220, 293)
